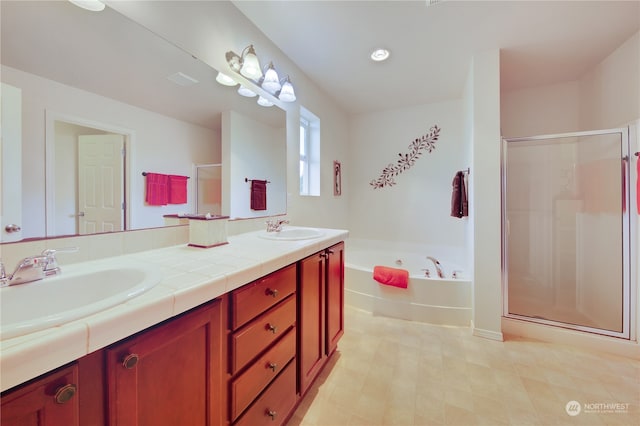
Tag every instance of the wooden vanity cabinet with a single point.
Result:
(50, 400)
(335, 296)
(321, 311)
(263, 342)
(245, 358)
(172, 374)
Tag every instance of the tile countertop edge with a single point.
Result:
(26, 357)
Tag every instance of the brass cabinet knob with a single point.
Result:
(271, 414)
(272, 292)
(272, 328)
(273, 366)
(130, 361)
(65, 393)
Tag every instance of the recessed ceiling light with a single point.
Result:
(379, 55)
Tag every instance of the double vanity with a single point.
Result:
(235, 334)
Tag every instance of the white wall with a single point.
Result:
(607, 96)
(417, 208)
(160, 144)
(610, 92)
(540, 110)
(252, 150)
(484, 91)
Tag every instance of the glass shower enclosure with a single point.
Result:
(565, 212)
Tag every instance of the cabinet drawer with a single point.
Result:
(250, 383)
(256, 336)
(275, 404)
(258, 296)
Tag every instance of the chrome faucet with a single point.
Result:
(34, 268)
(275, 225)
(437, 265)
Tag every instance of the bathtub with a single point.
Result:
(443, 301)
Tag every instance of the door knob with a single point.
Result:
(12, 228)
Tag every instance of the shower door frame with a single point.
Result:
(628, 293)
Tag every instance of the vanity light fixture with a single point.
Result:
(225, 80)
(247, 65)
(92, 5)
(243, 91)
(262, 101)
(380, 55)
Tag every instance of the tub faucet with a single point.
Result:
(437, 265)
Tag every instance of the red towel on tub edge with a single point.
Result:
(391, 276)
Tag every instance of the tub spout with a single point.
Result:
(437, 265)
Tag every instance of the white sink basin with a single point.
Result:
(290, 234)
(76, 293)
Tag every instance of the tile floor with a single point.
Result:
(394, 372)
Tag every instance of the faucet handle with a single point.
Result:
(51, 261)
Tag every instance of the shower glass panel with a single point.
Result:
(566, 230)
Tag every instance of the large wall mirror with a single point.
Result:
(102, 80)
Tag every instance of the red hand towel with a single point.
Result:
(177, 189)
(157, 185)
(258, 194)
(391, 276)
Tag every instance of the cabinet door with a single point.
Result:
(49, 401)
(172, 374)
(335, 296)
(311, 317)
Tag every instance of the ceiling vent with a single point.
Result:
(181, 79)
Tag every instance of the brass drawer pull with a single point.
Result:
(130, 361)
(273, 366)
(272, 328)
(271, 414)
(272, 292)
(65, 393)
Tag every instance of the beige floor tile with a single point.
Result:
(394, 372)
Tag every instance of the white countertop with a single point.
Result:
(191, 276)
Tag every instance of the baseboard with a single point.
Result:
(486, 334)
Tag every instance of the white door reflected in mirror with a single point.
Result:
(11, 172)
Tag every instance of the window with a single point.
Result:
(309, 153)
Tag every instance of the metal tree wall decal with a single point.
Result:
(425, 143)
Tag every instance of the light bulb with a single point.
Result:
(271, 81)
(287, 94)
(225, 80)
